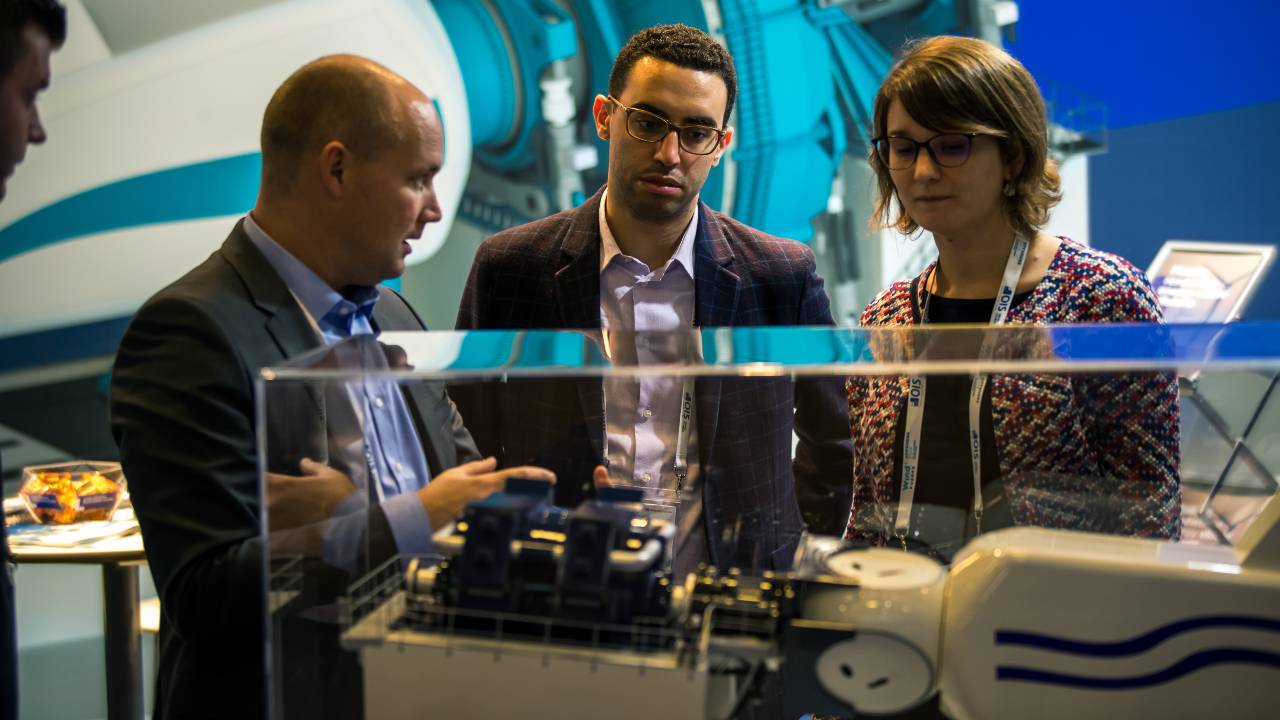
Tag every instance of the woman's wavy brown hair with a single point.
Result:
(963, 85)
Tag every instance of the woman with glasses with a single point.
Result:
(960, 150)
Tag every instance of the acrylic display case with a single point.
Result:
(751, 520)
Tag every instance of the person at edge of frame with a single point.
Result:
(30, 30)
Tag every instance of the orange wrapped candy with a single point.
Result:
(62, 496)
(98, 496)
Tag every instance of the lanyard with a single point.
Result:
(916, 386)
(681, 465)
(684, 430)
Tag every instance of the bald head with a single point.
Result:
(343, 98)
(350, 153)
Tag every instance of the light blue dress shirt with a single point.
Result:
(392, 452)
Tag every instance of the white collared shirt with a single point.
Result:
(642, 415)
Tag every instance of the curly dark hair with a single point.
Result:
(15, 15)
(681, 45)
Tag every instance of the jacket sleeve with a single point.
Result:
(824, 456)
(181, 413)
(478, 402)
(471, 304)
(1133, 421)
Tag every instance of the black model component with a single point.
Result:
(544, 569)
(501, 556)
(740, 608)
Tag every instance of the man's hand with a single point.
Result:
(600, 476)
(397, 358)
(449, 492)
(312, 497)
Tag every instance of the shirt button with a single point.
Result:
(377, 402)
(344, 310)
(646, 477)
(648, 413)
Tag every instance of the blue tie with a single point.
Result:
(343, 314)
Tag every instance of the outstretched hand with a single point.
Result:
(312, 497)
(449, 492)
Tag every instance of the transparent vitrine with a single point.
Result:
(769, 522)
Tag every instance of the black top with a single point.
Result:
(942, 516)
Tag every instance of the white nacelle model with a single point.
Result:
(139, 134)
(1027, 622)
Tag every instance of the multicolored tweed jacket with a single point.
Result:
(1088, 452)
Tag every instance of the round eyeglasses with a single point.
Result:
(648, 127)
(946, 150)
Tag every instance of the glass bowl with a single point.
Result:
(69, 492)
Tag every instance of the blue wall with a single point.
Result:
(1208, 177)
(1187, 85)
(1153, 61)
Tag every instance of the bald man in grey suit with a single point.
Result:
(350, 152)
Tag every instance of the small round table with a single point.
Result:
(122, 635)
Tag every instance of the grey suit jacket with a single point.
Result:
(546, 274)
(183, 416)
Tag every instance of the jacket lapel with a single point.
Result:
(285, 321)
(715, 283)
(578, 272)
(393, 313)
(577, 282)
(716, 289)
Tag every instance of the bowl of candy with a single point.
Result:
(70, 492)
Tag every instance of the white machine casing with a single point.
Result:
(891, 603)
(1057, 624)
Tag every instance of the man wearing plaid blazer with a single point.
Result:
(645, 255)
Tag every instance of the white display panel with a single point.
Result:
(1207, 282)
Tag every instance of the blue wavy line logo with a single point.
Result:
(1135, 646)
